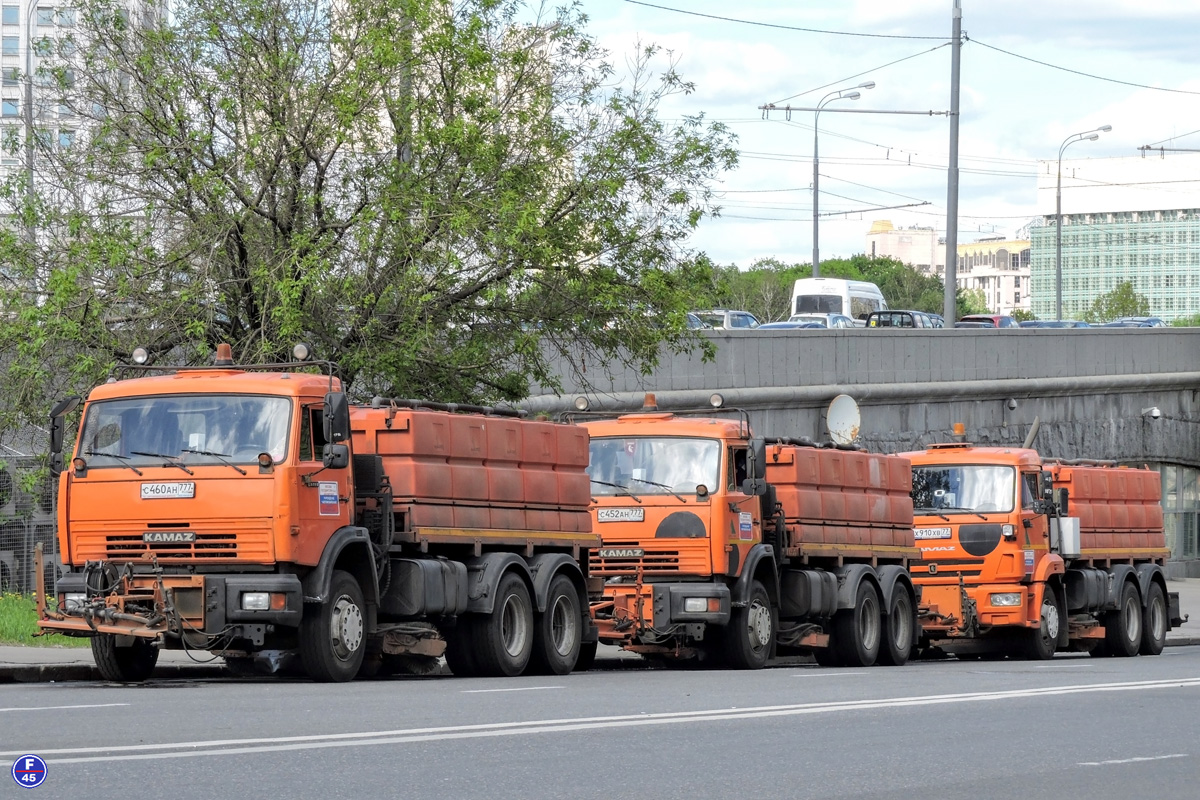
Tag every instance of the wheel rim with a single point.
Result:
(1050, 620)
(868, 623)
(1133, 619)
(563, 627)
(759, 625)
(901, 626)
(1158, 618)
(346, 628)
(514, 627)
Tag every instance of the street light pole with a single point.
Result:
(30, 11)
(840, 94)
(1088, 136)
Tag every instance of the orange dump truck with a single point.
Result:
(1026, 557)
(255, 514)
(722, 546)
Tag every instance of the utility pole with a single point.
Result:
(949, 307)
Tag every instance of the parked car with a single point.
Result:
(825, 320)
(997, 320)
(893, 318)
(1137, 322)
(727, 320)
(694, 323)
(938, 320)
(791, 324)
(975, 323)
(1054, 323)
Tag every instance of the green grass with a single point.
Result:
(18, 624)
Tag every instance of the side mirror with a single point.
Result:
(757, 468)
(1062, 500)
(335, 456)
(755, 487)
(60, 410)
(336, 417)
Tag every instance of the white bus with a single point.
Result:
(855, 299)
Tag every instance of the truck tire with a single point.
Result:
(333, 634)
(557, 631)
(1042, 641)
(751, 631)
(1154, 622)
(460, 646)
(133, 663)
(1123, 627)
(898, 629)
(857, 630)
(587, 656)
(503, 640)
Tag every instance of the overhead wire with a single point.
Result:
(778, 26)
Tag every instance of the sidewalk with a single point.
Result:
(41, 664)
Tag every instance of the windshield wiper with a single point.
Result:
(624, 489)
(122, 459)
(930, 510)
(661, 486)
(168, 461)
(965, 511)
(219, 456)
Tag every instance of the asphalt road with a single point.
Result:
(1073, 727)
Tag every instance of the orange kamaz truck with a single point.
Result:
(722, 546)
(1024, 557)
(254, 513)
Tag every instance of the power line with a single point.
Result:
(1078, 72)
(780, 27)
(1173, 138)
(864, 72)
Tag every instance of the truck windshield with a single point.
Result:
(142, 431)
(647, 465)
(963, 489)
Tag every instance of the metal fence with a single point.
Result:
(26, 519)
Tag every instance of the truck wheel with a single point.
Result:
(898, 629)
(751, 631)
(558, 631)
(504, 638)
(587, 656)
(1154, 622)
(1123, 627)
(332, 635)
(132, 663)
(460, 645)
(857, 630)
(1043, 640)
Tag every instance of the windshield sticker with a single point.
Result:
(327, 491)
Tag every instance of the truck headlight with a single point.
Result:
(695, 605)
(74, 601)
(1005, 599)
(256, 601)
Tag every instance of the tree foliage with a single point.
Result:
(437, 195)
(1122, 301)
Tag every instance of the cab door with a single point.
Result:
(324, 496)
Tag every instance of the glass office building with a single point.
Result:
(1123, 219)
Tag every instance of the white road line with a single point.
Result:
(1087, 665)
(518, 689)
(222, 747)
(56, 708)
(838, 674)
(1131, 760)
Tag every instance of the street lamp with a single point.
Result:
(1089, 136)
(30, 12)
(840, 94)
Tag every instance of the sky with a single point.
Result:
(1014, 112)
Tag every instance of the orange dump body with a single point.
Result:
(1119, 510)
(467, 471)
(843, 502)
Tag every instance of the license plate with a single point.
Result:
(169, 537)
(621, 552)
(174, 489)
(620, 514)
(931, 533)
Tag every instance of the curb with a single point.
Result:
(51, 673)
(1183, 641)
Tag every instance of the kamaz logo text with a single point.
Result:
(169, 537)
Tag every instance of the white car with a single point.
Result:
(825, 320)
(726, 320)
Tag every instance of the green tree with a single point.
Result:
(971, 301)
(440, 197)
(1122, 301)
(1187, 322)
(1021, 315)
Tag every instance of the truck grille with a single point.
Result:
(654, 562)
(206, 547)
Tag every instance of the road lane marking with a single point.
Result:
(56, 708)
(225, 747)
(517, 689)
(1131, 760)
